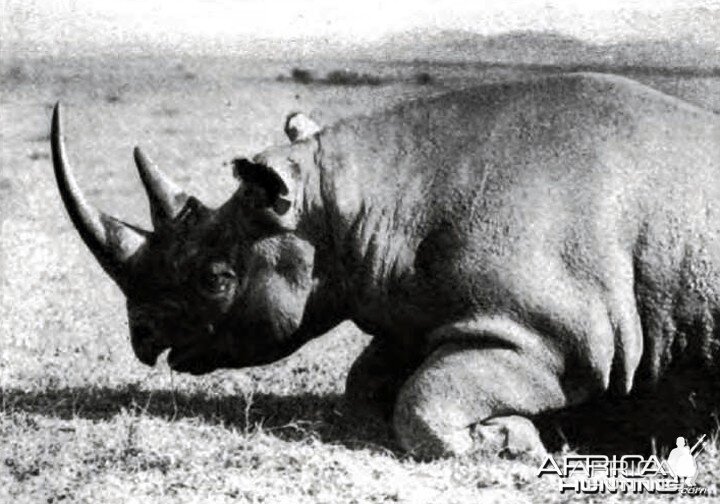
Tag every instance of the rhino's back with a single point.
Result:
(585, 134)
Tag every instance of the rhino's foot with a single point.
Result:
(467, 400)
(512, 436)
(430, 434)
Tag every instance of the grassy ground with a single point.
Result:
(80, 419)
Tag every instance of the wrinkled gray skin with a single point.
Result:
(513, 249)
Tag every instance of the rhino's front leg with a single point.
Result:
(375, 378)
(468, 398)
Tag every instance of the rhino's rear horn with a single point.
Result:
(112, 241)
(166, 198)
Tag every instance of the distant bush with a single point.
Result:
(302, 76)
(167, 111)
(117, 95)
(113, 97)
(35, 155)
(333, 78)
(42, 138)
(20, 73)
(17, 74)
(185, 72)
(349, 78)
(424, 79)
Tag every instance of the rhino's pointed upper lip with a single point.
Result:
(148, 360)
(148, 354)
(178, 355)
(190, 359)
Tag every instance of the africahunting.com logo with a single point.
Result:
(630, 474)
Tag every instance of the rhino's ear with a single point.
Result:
(273, 190)
(299, 127)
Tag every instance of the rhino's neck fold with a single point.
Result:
(327, 304)
(370, 235)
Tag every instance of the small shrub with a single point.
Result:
(41, 138)
(167, 111)
(302, 76)
(349, 78)
(16, 74)
(113, 98)
(333, 78)
(424, 79)
(35, 155)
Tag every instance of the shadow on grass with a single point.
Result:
(290, 418)
(684, 403)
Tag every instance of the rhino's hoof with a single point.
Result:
(433, 432)
(446, 433)
(512, 436)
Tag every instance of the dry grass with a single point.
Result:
(80, 419)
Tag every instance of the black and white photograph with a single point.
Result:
(314, 251)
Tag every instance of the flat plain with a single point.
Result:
(80, 419)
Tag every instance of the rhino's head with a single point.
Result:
(225, 287)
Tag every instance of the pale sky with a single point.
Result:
(49, 24)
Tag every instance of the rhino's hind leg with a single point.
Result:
(464, 399)
(375, 378)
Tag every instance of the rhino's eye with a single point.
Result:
(218, 279)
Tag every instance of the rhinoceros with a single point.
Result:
(513, 249)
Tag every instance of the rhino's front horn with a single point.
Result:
(166, 198)
(112, 241)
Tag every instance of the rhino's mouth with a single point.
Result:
(191, 359)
